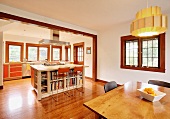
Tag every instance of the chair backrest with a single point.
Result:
(109, 86)
(63, 70)
(76, 69)
(159, 83)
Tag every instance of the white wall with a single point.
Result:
(72, 38)
(1, 59)
(108, 58)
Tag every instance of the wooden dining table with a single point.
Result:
(125, 102)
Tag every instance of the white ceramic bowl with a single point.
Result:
(151, 98)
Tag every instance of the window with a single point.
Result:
(37, 52)
(43, 53)
(68, 53)
(146, 54)
(80, 54)
(14, 51)
(32, 53)
(56, 53)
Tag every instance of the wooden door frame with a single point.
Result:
(7, 16)
(79, 44)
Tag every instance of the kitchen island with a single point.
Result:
(42, 75)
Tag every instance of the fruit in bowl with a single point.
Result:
(151, 94)
(150, 91)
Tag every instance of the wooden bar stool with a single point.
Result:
(78, 74)
(63, 74)
(59, 81)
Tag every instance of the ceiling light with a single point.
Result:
(149, 22)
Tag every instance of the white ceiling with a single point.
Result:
(92, 14)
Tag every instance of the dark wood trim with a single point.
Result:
(88, 78)
(139, 67)
(66, 52)
(7, 43)
(1, 87)
(55, 27)
(102, 81)
(57, 35)
(38, 46)
(41, 24)
(53, 46)
(94, 62)
(75, 52)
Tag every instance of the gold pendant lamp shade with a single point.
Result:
(149, 22)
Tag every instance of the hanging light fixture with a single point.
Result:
(149, 22)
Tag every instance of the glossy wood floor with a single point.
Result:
(18, 101)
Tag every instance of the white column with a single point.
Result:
(1, 58)
(63, 52)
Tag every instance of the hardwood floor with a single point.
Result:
(18, 101)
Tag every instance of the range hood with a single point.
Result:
(53, 42)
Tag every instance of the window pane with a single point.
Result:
(135, 61)
(155, 43)
(32, 53)
(56, 53)
(127, 46)
(144, 62)
(144, 45)
(135, 52)
(131, 53)
(127, 61)
(127, 53)
(149, 43)
(131, 45)
(155, 52)
(43, 53)
(135, 44)
(14, 53)
(149, 52)
(155, 62)
(150, 62)
(131, 61)
(144, 52)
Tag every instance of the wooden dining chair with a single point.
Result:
(159, 83)
(109, 86)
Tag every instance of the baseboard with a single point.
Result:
(1, 87)
(102, 81)
(24, 77)
(98, 80)
(88, 78)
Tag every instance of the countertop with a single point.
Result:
(52, 68)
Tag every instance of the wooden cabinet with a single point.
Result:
(5, 71)
(12, 71)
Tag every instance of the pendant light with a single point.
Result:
(149, 22)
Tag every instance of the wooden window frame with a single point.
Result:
(16, 44)
(161, 50)
(66, 52)
(53, 46)
(38, 46)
